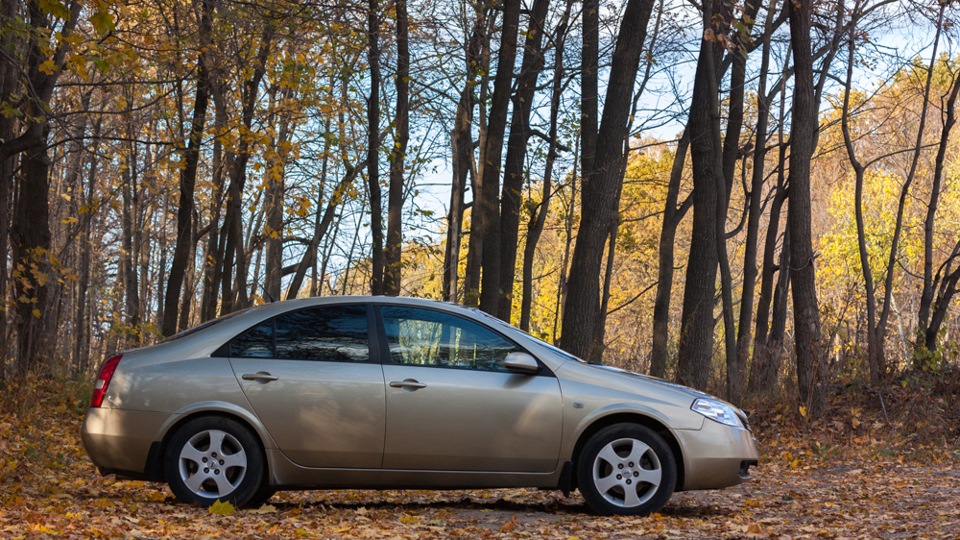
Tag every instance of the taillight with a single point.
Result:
(103, 380)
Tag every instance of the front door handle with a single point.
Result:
(261, 376)
(410, 384)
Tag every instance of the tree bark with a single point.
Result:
(235, 264)
(30, 230)
(513, 176)
(471, 277)
(461, 139)
(276, 187)
(804, 122)
(190, 159)
(672, 215)
(706, 152)
(926, 333)
(589, 86)
(538, 216)
(755, 199)
(491, 154)
(373, 148)
(601, 188)
(392, 263)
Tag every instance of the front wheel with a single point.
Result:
(626, 469)
(214, 458)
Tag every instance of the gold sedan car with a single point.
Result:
(374, 392)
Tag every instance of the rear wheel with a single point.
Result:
(214, 458)
(626, 469)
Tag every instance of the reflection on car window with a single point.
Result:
(254, 343)
(332, 334)
(424, 337)
(553, 348)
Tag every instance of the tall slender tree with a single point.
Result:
(511, 194)
(391, 278)
(602, 187)
(804, 122)
(706, 152)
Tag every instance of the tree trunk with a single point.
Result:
(697, 323)
(190, 159)
(672, 215)
(278, 157)
(736, 363)
(804, 122)
(491, 154)
(213, 262)
(128, 219)
(512, 192)
(81, 346)
(392, 263)
(926, 334)
(8, 85)
(589, 86)
(373, 148)
(321, 225)
(945, 294)
(471, 278)
(755, 199)
(538, 217)
(602, 188)
(461, 140)
(235, 294)
(30, 229)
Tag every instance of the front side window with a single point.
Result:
(329, 333)
(423, 337)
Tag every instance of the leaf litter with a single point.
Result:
(830, 479)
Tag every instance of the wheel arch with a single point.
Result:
(630, 418)
(154, 469)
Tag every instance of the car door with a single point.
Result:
(311, 379)
(453, 406)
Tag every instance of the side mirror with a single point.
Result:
(521, 362)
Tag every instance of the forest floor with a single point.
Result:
(865, 471)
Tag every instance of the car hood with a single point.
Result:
(656, 381)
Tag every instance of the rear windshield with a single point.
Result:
(203, 326)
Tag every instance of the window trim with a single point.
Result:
(387, 358)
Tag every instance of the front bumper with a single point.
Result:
(717, 456)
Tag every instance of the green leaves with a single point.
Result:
(103, 22)
(54, 8)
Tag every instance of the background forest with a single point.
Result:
(760, 198)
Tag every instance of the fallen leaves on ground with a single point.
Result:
(827, 481)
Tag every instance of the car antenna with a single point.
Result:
(265, 293)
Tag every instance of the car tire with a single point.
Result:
(626, 469)
(214, 458)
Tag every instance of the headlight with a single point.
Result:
(717, 411)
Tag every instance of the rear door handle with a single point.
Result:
(261, 376)
(410, 384)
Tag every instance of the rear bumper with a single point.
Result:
(717, 456)
(119, 441)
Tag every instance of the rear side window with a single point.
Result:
(330, 333)
(254, 343)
